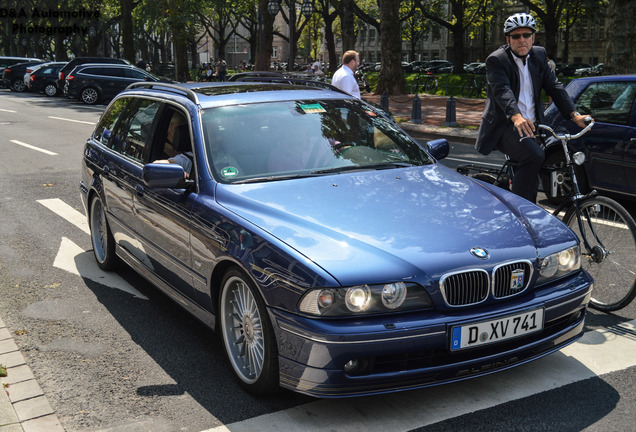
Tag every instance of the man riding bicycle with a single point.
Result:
(517, 72)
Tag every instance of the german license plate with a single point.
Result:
(497, 330)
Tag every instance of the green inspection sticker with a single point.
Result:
(312, 108)
(229, 172)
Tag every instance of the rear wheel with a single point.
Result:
(50, 89)
(248, 336)
(90, 96)
(18, 85)
(611, 233)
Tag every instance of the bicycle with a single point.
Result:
(425, 81)
(606, 230)
(475, 87)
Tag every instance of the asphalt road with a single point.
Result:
(113, 354)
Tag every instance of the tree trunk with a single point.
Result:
(127, 34)
(391, 78)
(620, 56)
(348, 27)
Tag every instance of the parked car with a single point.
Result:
(590, 71)
(440, 66)
(570, 69)
(33, 68)
(610, 146)
(13, 76)
(92, 83)
(332, 252)
(78, 61)
(419, 65)
(472, 67)
(10, 61)
(43, 79)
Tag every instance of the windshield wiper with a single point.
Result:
(271, 178)
(379, 166)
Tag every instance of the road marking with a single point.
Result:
(29, 146)
(599, 352)
(6, 110)
(73, 259)
(67, 212)
(72, 120)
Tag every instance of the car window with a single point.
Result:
(276, 139)
(114, 72)
(131, 73)
(136, 129)
(608, 102)
(106, 126)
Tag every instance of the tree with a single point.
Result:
(391, 78)
(620, 55)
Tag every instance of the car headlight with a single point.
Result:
(561, 263)
(364, 300)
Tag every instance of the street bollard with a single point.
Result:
(416, 111)
(450, 113)
(384, 102)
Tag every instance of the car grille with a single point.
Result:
(474, 286)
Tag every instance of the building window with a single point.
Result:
(371, 36)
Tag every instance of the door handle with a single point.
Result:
(106, 170)
(139, 190)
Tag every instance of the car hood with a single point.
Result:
(406, 223)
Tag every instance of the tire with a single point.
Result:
(248, 336)
(90, 96)
(612, 225)
(101, 237)
(431, 86)
(50, 89)
(18, 85)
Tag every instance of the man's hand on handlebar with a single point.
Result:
(582, 120)
(523, 126)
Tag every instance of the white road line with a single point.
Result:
(72, 120)
(29, 146)
(67, 212)
(597, 353)
(6, 110)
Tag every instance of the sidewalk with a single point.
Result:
(434, 110)
(23, 405)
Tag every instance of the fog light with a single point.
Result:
(351, 366)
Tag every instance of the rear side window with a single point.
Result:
(106, 127)
(134, 133)
(608, 102)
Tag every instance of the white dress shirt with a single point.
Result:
(344, 80)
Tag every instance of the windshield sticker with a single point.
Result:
(371, 113)
(229, 172)
(312, 108)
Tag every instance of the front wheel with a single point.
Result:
(611, 259)
(248, 336)
(101, 236)
(18, 85)
(50, 89)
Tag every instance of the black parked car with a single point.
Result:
(77, 61)
(6, 61)
(92, 83)
(610, 147)
(13, 76)
(43, 79)
(440, 66)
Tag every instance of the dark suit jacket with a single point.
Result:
(503, 93)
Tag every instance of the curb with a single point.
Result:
(23, 405)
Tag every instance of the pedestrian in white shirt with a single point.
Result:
(344, 78)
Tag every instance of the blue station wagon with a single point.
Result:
(332, 252)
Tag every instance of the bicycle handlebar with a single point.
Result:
(565, 136)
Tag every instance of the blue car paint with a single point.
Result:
(410, 224)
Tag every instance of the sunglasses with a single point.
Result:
(518, 36)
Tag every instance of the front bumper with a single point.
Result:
(411, 351)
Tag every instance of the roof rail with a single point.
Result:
(191, 95)
(299, 81)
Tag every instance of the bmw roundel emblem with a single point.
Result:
(480, 253)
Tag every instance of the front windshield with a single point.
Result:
(278, 140)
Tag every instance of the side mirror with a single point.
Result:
(438, 148)
(165, 175)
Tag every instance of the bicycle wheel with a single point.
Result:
(431, 85)
(611, 233)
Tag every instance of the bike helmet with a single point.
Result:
(519, 20)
